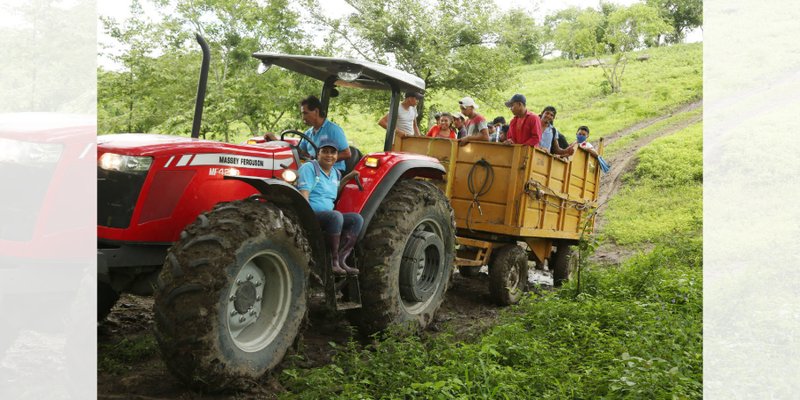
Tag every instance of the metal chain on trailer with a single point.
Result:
(538, 193)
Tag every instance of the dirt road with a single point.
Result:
(130, 367)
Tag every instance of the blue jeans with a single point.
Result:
(334, 222)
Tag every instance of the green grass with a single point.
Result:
(663, 193)
(673, 76)
(118, 357)
(633, 332)
(628, 331)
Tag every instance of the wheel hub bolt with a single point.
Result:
(233, 312)
(250, 277)
(253, 313)
(258, 283)
(232, 298)
(258, 298)
(242, 319)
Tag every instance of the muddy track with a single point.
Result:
(624, 160)
(466, 313)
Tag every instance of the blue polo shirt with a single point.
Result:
(322, 188)
(327, 130)
(547, 137)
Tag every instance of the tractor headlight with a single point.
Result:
(289, 175)
(123, 163)
(371, 162)
(20, 152)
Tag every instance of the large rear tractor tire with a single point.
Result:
(232, 295)
(560, 266)
(407, 258)
(508, 275)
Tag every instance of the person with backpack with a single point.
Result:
(320, 183)
(551, 137)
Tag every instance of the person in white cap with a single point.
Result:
(477, 127)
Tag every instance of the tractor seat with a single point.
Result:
(350, 163)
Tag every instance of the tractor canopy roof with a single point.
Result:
(362, 74)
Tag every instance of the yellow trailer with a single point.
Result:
(505, 194)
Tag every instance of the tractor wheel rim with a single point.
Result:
(259, 301)
(429, 266)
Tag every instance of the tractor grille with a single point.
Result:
(24, 191)
(117, 193)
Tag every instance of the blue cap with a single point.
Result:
(327, 142)
(516, 98)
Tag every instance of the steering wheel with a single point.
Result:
(304, 137)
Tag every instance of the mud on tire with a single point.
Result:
(508, 275)
(407, 258)
(232, 295)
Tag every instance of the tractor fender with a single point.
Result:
(402, 170)
(287, 197)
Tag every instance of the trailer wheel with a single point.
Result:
(232, 295)
(508, 275)
(407, 258)
(560, 263)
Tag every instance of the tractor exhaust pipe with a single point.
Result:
(201, 87)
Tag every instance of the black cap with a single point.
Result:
(516, 98)
(414, 94)
(499, 120)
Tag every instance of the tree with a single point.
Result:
(577, 32)
(520, 33)
(446, 42)
(613, 31)
(155, 90)
(682, 15)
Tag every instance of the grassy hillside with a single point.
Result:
(628, 331)
(671, 77)
(664, 192)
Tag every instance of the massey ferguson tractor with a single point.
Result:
(230, 248)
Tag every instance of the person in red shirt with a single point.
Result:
(525, 127)
(443, 128)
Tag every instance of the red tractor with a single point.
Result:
(241, 248)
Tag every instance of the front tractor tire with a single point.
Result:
(232, 295)
(407, 258)
(508, 275)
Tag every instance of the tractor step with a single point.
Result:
(347, 305)
(346, 292)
